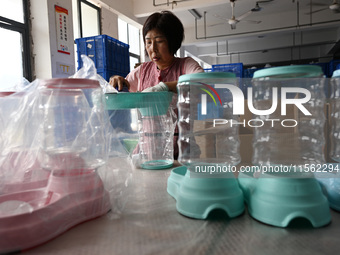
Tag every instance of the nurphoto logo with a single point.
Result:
(238, 104)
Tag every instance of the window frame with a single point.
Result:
(80, 16)
(24, 30)
(134, 55)
(128, 37)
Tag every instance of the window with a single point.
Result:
(130, 34)
(89, 19)
(14, 34)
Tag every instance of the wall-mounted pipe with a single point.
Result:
(263, 30)
(297, 26)
(278, 48)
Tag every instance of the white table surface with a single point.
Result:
(150, 224)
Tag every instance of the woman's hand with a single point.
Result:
(159, 87)
(163, 86)
(172, 85)
(118, 82)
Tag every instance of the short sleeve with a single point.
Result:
(191, 66)
(133, 78)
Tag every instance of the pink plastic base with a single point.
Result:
(68, 200)
(17, 180)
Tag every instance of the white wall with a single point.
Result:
(40, 39)
(109, 23)
(49, 63)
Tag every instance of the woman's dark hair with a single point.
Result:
(169, 25)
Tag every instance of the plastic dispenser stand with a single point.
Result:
(208, 147)
(283, 186)
(155, 145)
(62, 112)
(330, 180)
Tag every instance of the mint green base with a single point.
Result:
(331, 188)
(330, 183)
(278, 200)
(197, 197)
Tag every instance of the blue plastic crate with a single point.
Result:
(249, 72)
(105, 51)
(236, 68)
(332, 66)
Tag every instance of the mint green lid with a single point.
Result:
(336, 73)
(157, 164)
(199, 77)
(148, 103)
(293, 71)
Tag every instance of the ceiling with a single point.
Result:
(288, 31)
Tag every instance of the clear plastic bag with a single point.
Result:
(58, 167)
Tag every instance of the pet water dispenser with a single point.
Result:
(155, 127)
(208, 147)
(67, 119)
(330, 180)
(287, 147)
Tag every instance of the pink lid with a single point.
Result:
(6, 93)
(70, 83)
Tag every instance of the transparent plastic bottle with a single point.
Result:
(73, 124)
(156, 141)
(292, 138)
(156, 131)
(207, 136)
(335, 116)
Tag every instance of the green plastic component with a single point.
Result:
(293, 71)
(197, 196)
(206, 77)
(130, 144)
(148, 103)
(157, 164)
(276, 199)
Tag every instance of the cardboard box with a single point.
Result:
(274, 120)
(246, 148)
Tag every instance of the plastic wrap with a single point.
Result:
(59, 163)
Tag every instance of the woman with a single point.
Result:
(163, 34)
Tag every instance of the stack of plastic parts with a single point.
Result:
(154, 147)
(55, 169)
(208, 149)
(330, 180)
(282, 186)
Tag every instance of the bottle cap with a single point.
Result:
(203, 77)
(293, 71)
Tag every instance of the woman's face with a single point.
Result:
(157, 48)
